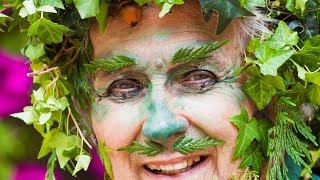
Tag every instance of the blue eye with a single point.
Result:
(125, 89)
(197, 81)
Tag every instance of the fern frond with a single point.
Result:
(109, 65)
(186, 145)
(283, 138)
(196, 55)
(151, 150)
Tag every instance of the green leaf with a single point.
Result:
(248, 131)
(51, 140)
(27, 116)
(39, 94)
(313, 78)
(283, 36)
(228, 10)
(264, 125)
(270, 60)
(44, 117)
(196, 55)
(186, 145)
(253, 71)
(142, 2)
(165, 9)
(260, 91)
(151, 149)
(35, 52)
(297, 94)
(103, 152)
(47, 31)
(314, 94)
(301, 71)
(54, 3)
(253, 45)
(83, 162)
(110, 65)
(252, 158)
(276, 81)
(250, 4)
(87, 8)
(102, 15)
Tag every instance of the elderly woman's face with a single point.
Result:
(158, 101)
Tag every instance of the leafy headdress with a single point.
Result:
(283, 67)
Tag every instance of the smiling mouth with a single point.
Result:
(172, 169)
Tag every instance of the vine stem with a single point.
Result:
(79, 130)
(54, 80)
(44, 70)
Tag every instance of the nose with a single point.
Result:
(161, 122)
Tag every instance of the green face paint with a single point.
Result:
(161, 122)
(100, 111)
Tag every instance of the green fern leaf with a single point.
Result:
(186, 145)
(110, 65)
(151, 150)
(283, 138)
(196, 55)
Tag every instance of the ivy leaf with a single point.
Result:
(39, 94)
(44, 117)
(83, 162)
(54, 3)
(301, 71)
(34, 52)
(166, 5)
(87, 8)
(283, 36)
(270, 60)
(260, 91)
(250, 4)
(102, 15)
(248, 131)
(264, 126)
(253, 158)
(3, 19)
(314, 94)
(27, 115)
(253, 45)
(297, 94)
(165, 9)
(228, 10)
(103, 152)
(142, 2)
(276, 81)
(47, 31)
(313, 77)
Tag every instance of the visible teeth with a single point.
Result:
(175, 168)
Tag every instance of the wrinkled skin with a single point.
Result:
(163, 102)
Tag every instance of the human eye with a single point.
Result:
(125, 89)
(196, 81)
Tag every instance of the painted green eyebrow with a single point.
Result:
(196, 55)
(114, 63)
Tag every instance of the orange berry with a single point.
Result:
(131, 14)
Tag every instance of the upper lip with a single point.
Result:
(172, 158)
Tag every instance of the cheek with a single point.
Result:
(212, 110)
(116, 124)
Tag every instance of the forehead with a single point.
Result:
(156, 37)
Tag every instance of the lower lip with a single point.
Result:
(179, 175)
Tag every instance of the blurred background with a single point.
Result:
(19, 143)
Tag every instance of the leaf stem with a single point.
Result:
(78, 129)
